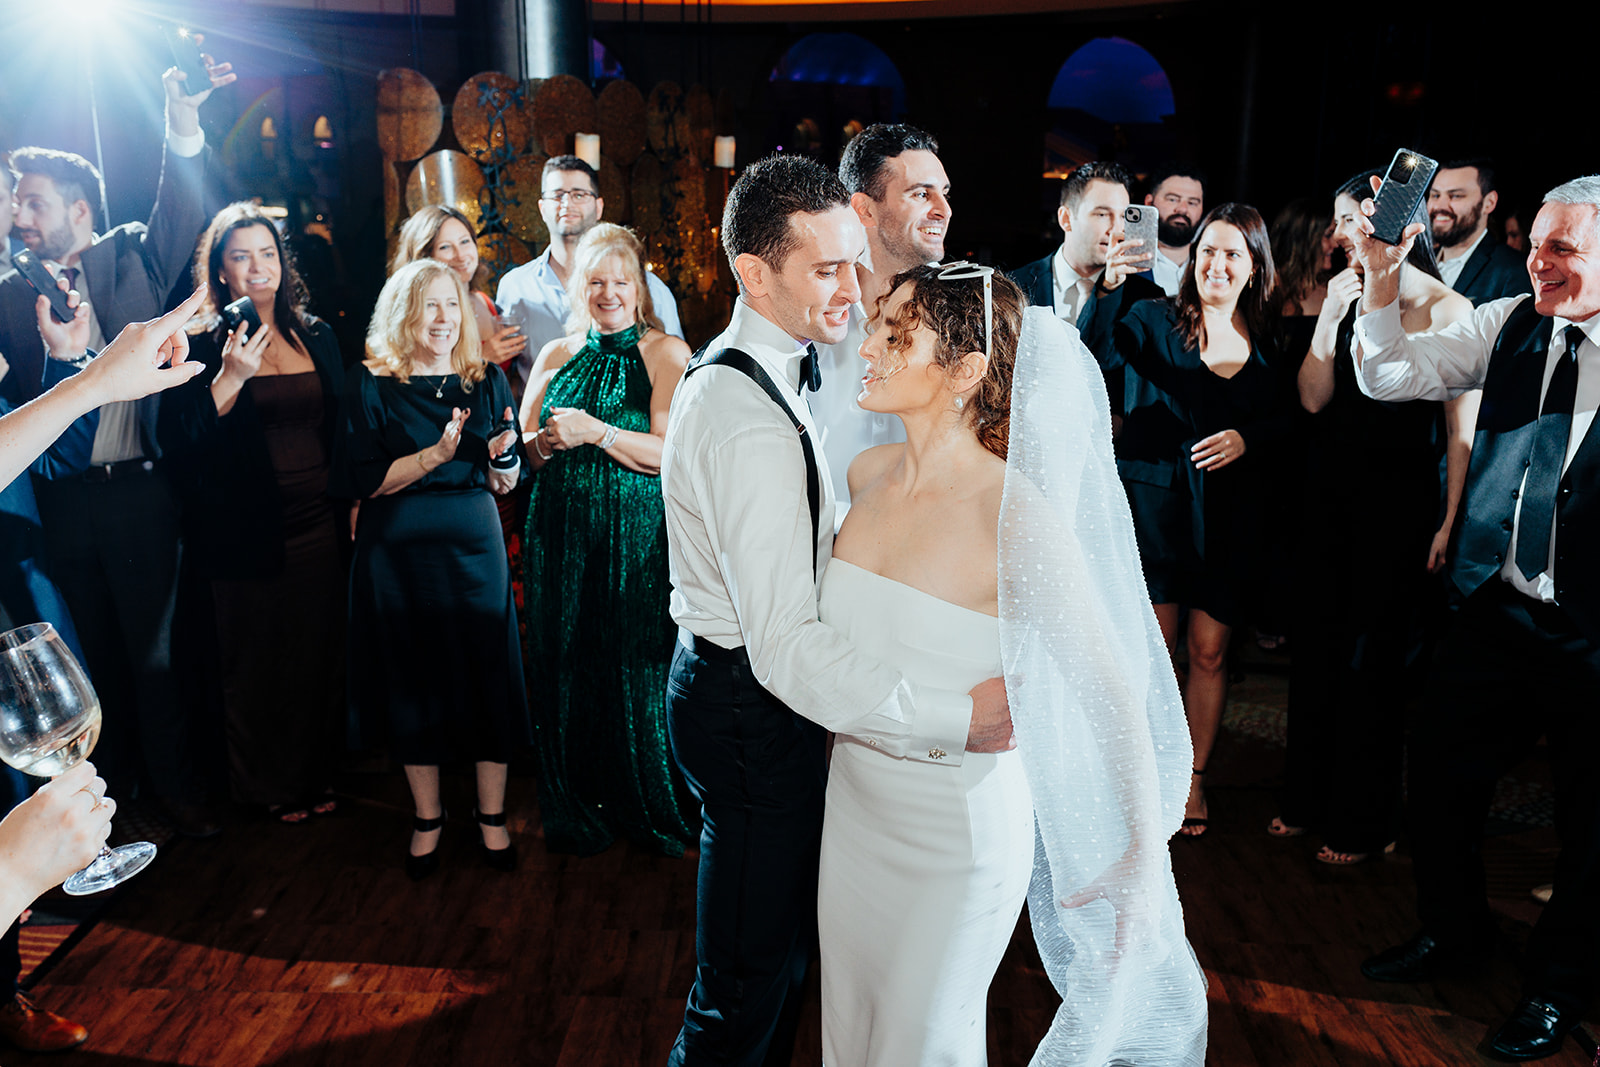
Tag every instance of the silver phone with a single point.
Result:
(1139, 223)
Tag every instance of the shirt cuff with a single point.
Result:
(1378, 330)
(939, 730)
(186, 145)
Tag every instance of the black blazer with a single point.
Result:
(1097, 319)
(1500, 450)
(130, 271)
(1491, 272)
(232, 517)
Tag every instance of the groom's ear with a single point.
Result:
(753, 272)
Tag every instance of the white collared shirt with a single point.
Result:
(1167, 273)
(1442, 365)
(1450, 269)
(534, 298)
(740, 552)
(844, 429)
(1072, 290)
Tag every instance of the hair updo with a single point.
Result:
(952, 309)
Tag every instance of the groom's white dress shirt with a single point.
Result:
(740, 553)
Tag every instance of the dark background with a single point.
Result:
(1269, 103)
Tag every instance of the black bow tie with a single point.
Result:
(811, 369)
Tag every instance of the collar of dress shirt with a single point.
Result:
(1591, 328)
(1466, 253)
(1066, 273)
(748, 326)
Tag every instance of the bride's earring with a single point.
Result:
(960, 403)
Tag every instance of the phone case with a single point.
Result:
(35, 274)
(1405, 185)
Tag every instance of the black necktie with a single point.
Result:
(1544, 461)
(810, 369)
(71, 275)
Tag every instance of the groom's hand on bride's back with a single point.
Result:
(991, 718)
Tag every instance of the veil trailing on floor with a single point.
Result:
(1099, 725)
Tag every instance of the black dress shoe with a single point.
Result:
(1535, 1030)
(1422, 959)
(419, 867)
(500, 859)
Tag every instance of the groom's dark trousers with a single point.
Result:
(759, 772)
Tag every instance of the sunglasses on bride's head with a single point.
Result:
(961, 269)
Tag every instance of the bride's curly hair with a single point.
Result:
(953, 309)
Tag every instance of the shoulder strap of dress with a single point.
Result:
(746, 365)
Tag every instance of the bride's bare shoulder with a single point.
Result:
(867, 467)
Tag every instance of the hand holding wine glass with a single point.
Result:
(49, 723)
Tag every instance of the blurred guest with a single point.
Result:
(419, 434)
(1178, 193)
(1362, 625)
(114, 529)
(441, 232)
(1093, 279)
(534, 295)
(1460, 202)
(1516, 232)
(1191, 474)
(8, 243)
(599, 636)
(1522, 658)
(248, 442)
(1303, 245)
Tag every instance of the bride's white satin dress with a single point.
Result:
(925, 865)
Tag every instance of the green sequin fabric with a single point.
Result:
(599, 637)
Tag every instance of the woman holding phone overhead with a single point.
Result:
(248, 441)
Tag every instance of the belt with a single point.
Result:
(110, 472)
(709, 650)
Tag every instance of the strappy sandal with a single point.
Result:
(1200, 825)
(419, 867)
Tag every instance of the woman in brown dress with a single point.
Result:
(249, 440)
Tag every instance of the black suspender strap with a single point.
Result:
(746, 364)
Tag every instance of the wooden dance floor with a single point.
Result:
(307, 946)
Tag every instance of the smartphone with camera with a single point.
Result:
(34, 273)
(242, 310)
(186, 55)
(508, 459)
(1405, 187)
(1139, 223)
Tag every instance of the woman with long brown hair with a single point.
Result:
(1183, 452)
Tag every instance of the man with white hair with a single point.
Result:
(1522, 659)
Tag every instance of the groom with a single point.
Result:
(757, 681)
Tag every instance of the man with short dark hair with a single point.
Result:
(1093, 279)
(901, 194)
(1475, 265)
(112, 531)
(1178, 193)
(757, 681)
(1522, 657)
(534, 295)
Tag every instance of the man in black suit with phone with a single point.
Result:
(1471, 262)
(112, 530)
(1522, 658)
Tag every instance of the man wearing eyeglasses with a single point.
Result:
(534, 295)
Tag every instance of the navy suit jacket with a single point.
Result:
(1492, 271)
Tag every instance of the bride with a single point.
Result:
(966, 550)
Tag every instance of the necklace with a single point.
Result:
(438, 391)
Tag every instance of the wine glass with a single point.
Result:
(49, 722)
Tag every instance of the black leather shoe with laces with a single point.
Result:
(1424, 958)
(1535, 1030)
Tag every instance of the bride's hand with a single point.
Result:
(1127, 886)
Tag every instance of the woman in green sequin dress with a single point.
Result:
(599, 635)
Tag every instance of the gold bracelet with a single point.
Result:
(424, 466)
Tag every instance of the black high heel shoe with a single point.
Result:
(500, 859)
(419, 867)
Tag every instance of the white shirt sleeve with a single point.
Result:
(186, 144)
(1393, 365)
(762, 527)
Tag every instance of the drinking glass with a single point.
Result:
(49, 722)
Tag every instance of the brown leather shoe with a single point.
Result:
(32, 1029)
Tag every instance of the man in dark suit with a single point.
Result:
(1522, 658)
(1094, 277)
(1471, 262)
(112, 531)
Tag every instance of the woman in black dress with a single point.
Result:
(248, 442)
(433, 631)
(1206, 400)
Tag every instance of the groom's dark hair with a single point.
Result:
(756, 216)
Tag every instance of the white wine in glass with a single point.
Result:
(49, 722)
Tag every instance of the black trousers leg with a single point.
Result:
(759, 772)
